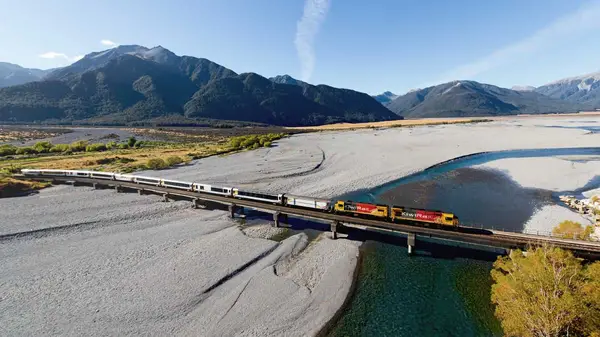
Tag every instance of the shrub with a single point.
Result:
(95, 147)
(255, 145)
(267, 144)
(156, 164)
(78, 146)
(173, 160)
(8, 150)
(25, 150)
(236, 142)
(111, 145)
(60, 148)
(138, 144)
(572, 230)
(131, 141)
(123, 146)
(42, 147)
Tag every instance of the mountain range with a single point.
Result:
(12, 74)
(133, 84)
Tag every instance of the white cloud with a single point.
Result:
(585, 19)
(108, 43)
(55, 55)
(306, 30)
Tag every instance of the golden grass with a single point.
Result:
(125, 160)
(390, 124)
(7, 135)
(10, 187)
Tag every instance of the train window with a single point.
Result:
(448, 218)
(202, 187)
(216, 189)
(81, 174)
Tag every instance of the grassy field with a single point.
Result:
(177, 148)
(390, 124)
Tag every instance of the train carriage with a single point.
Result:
(306, 202)
(205, 188)
(147, 180)
(270, 198)
(102, 175)
(74, 173)
(362, 209)
(182, 185)
(423, 216)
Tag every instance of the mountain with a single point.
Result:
(581, 89)
(134, 84)
(385, 97)
(470, 98)
(287, 79)
(12, 74)
(522, 88)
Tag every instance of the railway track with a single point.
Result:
(493, 238)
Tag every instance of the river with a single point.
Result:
(442, 290)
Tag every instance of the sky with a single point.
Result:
(365, 45)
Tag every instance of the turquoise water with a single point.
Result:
(441, 290)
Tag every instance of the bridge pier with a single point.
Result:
(141, 191)
(276, 216)
(94, 185)
(232, 210)
(197, 203)
(411, 240)
(334, 226)
(166, 197)
(118, 188)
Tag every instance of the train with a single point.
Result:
(396, 214)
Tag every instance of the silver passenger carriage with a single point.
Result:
(205, 188)
(182, 185)
(306, 202)
(271, 198)
(146, 180)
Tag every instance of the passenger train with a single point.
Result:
(365, 210)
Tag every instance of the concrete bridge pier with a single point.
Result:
(411, 240)
(141, 191)
(334, 227)
(197, 203)
(232, 210)
(94, 185)
(276, 218)
(166, 197)
(118, 188)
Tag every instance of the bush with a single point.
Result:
(138, 144)
(111, 145)
(267, 144)
(547, 292)
(95, 147)
(255, 146)
(25, 150)
(7, 150)
(131, 141)
(42, 147)
(78, 146)
(123, 146)
(572, 230)
(60, 148)
(173, 160)
(156, 164)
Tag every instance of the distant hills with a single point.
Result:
(581, 89)
(470, 98)
(385, 97)
(135, 84)
(12, 74)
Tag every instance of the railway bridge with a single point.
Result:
(484, 237)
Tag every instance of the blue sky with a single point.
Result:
(365, 45)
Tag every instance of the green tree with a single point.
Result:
(42, 147)
(572, 230)
(78, 146)
(8, 150)
(131, 141)
(545, 293)
(25, 150)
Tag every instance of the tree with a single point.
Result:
(131, 141)
(546, 293)
(572, 230)
(42, 147)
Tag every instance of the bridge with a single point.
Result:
(337, 222)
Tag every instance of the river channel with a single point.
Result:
(442, 290)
